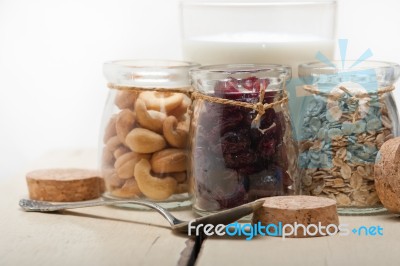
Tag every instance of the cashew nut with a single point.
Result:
(182, 188)
(168, 161)
(175, 136)
(120, 151)
(130, 189)
(180, 176)
(153, 187)
(125, 99)
(161, 101)
(113, 143)
(111, 178)
(107, 158)
(125, 164)
(124, 123)
(182, 109)
(110, 129)
(142, 140)
(149, 119)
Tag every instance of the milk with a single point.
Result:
(256, 47)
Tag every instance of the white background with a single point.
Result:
(52, 90)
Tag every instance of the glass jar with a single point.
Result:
(242, 147)
(145, 130)
(232, 31)
(348, 114)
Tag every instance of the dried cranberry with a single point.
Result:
(233, 200)
(226, 86)
(268, 118)
(234, 142)
(249, 83)
(269, 96)
(267, 147)
(237, 160)
(253, 84)
(250, 169)
(228, 89)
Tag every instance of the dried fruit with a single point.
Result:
(235, 161)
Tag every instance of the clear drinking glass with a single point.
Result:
(265, 32)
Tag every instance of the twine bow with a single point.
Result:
(259, 107)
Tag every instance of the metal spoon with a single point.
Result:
(223, 217)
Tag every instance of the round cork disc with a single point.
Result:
(63, 185)
(387, 175)
(305, 210)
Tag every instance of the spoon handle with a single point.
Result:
(45, 206)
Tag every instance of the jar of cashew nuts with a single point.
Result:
(145, 131)
(348, 113)
(242, 147)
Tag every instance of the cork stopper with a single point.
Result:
(62, 185)
(296, 210)
(387, 175)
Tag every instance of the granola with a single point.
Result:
(341, 136)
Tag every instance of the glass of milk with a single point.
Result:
(285, 32)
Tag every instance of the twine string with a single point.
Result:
(259, 107)
(185, 90)
(354, 99)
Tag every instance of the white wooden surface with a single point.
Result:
(332, 251)
(89, 236)
(113, 236)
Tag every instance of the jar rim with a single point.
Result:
(354, 65)
(232, 69)
(150, 63)
(149, 73)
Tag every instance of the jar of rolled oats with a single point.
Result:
(145, 131)
(242, 147)
(348, 113)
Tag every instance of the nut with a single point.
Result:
(153, 187)
(180, 176)
(125, 164)
(161, 101)
(168, 161)
(182, 109)
(182, 188)
(142, 140)
(111, 178)
(110, 129)
(128, 190)
(125, 99)
(124, 123)
(113, 143)
(107, 158)
(120, 151)
(149, 119)
(175, 136)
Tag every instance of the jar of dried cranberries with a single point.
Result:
(241, 142)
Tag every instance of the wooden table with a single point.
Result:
(115, 236)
